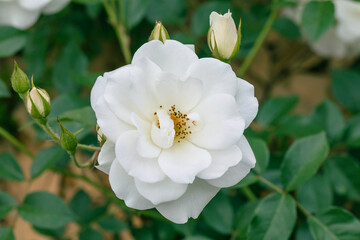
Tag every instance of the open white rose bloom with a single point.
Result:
(174, 125)
(23, 14)
(343, 39)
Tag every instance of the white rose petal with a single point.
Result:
(22, 14)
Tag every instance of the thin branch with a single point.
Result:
(259, 41)
(15, 142)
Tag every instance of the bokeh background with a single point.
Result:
(300, 94)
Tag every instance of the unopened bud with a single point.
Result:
(37, 102)
(223, 37)
(68, 139)
(100, 136)
(159, 33)
(19, 81)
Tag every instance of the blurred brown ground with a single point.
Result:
(267, 75)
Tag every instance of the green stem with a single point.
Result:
(88, 147)
(279, 190)
(248, 193)
(15, 142)
(302, 209)
(119, 28)
(46, 127)
(124, 41)
(270, 184)
(79, 165)
(259, 41)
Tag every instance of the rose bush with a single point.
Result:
(174, 125)
(23, 14)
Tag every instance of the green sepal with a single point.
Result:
(19, 80)
(68, 140)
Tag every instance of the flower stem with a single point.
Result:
(124, 41)
(259, 41)
(15, 142)
(81, 165)
(46, 127)
(88, 147)
(248, 193)
(118, 23)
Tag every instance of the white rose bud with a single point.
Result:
(37, 102)
(223, 37)
(159, 33)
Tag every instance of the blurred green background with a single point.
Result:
(302, 96)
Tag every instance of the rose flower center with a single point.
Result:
(171, 125)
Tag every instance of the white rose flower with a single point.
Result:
(174, 126)
(22, 14)
(343, 39)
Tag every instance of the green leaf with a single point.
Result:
(352, 133)
(71, 60)
(243, 219)
(10, 169)
(261, 152)
(344, 174)
(80, 204)
(11, 41)
(287, 28)
(274, 218)
(298, 126)
(219, 214)
(200, 20)
(303, 232)
(7, 203)
(6, 233)
(90, 234)
(111, 223)
(197, 238)
(334, 224)
(345, 87)
(55, 233)
(135, 11)
(274, 109)
(303, 159)
(45, 210)
(44, 160)
(330, 117)
(4, 91)
(83, 115)
(317, 18)
(316, 194)
(166, 11)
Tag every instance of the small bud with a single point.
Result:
(100, 136)
(159, 33)
(19, 81)
(223, 37)
(37, 102)
(68, 139)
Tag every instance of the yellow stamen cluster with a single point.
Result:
(181, 127)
